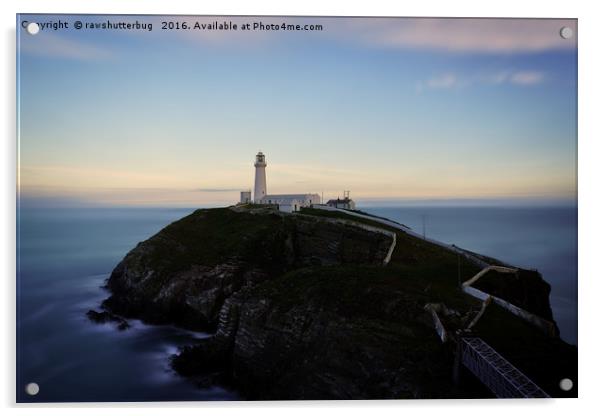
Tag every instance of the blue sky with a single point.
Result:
(391, 109)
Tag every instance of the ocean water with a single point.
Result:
(64, 256)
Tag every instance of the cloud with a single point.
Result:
(452, 80)
(464, 35)
(514, 77)
(453, 35)
(495, 78)
(443, 81)
(52, 45)
(527, 78)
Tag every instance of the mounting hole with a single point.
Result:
(566, 384)
(566, 32)
(33, 28)
(32, 389)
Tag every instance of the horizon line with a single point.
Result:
(43, 202)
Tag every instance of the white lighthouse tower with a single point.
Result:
(260, 185)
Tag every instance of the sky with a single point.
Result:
(392, 109)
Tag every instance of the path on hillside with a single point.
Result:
(480, 262)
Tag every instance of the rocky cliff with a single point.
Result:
(304, 306)
(184, 273)
(344, 332)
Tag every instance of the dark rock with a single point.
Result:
(99, 317)
(123, 325)
(106, 317)
(326, 333)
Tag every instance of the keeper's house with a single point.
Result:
(345, 203)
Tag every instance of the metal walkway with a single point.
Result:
(501, 377)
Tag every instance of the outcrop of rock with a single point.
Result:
(184, 273)
(303, 307)
(104, 317)
(525, 289)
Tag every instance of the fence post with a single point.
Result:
(457, 358)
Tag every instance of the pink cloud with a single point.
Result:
(465, 34)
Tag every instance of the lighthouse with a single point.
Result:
(283, 202)
(260, 185)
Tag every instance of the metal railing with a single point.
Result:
(493, 370)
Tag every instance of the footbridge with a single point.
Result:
(485, 363)
(494, 371)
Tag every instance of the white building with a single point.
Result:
(291, 202)
(245, 197)
(260, 183)
(284, 202)
(345, 203)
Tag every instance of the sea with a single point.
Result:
(66, 254)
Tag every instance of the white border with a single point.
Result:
(590, 208)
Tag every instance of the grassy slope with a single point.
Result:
(210, 236)
(422, 258)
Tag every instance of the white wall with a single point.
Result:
(260, 183)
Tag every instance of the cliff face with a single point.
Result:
(184, 273)
(329, 333)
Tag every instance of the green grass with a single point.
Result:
(253, 206)
(415, 254)
(210, 236)
(341, 215)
